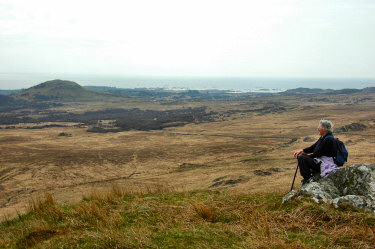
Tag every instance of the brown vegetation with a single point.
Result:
(248, 147)
(158, 217)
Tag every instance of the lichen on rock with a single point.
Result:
(354, 185)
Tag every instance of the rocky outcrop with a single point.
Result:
(354, 185)
(351, 127)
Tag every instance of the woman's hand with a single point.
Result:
(298, 152)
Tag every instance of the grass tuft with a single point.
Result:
(46, 208)
(205, 212)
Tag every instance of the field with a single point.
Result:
(247, 147)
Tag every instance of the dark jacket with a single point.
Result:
(323, 147)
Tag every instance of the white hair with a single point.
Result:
(326, 125)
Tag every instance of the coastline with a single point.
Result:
(13, 81)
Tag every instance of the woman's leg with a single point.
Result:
(307, 166)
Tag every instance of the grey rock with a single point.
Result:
(365, 202)
(288, 197)
(354, 185)
(351, 127)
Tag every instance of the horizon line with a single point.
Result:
(189, 76)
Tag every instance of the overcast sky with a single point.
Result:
(262, 38)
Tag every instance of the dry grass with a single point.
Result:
(193, 219)
(207, 213)
(242, 152)
(46, 208)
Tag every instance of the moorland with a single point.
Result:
(68, 141)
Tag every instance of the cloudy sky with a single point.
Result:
(268, 38)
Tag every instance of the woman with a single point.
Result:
(320, 161)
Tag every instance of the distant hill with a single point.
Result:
(302, 90)
(7, 92)
(63, 91)
(369, 90)
(144, 93)
(345, 91)
(6, 100)
(68, 91)
(8, 103)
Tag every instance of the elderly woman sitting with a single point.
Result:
(320, 161)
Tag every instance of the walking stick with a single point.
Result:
(294, 178)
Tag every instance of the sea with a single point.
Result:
(11, 81)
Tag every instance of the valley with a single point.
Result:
(238, 144)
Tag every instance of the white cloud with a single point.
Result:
(236, 38)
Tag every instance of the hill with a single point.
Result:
(8, 104)
(369, 90)
(302, 90)
(62, 91)
(346, 91)
(5, 100)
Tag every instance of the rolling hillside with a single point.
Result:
(63, 91)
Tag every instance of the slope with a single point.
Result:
(63, 91)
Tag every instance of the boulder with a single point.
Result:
(353, 185)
